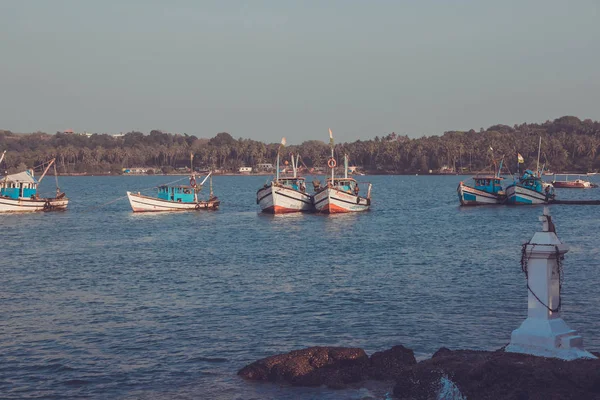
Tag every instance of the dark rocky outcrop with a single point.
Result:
(448, 375)
(498, 375)
(389, 364)
(334, 367)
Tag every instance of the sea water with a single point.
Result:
(97, 302)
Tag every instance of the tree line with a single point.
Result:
(568, 145)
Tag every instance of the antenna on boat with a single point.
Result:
(283, 142)
(345, 166)
(56, 179)
(538, 159)
(192, 165)
(331, 145)
(2, 158)
(295, 164)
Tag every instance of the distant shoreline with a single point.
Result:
(265, 174)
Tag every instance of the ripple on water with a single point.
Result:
(107, 304)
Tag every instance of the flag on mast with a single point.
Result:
(520, 158)
(330, 137)
(283, 141)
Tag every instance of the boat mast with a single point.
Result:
(192, 176)
(46, 170)
(345, 166)
(56, 180)
(293, 164)
(283, 141)
(331, 145)
(5, 172)
(500, 168)
(538, 159)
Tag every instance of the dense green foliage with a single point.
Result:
(568, 144)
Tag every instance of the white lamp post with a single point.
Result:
(544, 333)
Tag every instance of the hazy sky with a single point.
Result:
(272, 68)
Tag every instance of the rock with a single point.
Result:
(314, 366)
(499, 375)
(456, 375)
(389, 364)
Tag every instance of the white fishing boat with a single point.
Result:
(175, 197)
(18, 193)
(340, 195)
(285, 194)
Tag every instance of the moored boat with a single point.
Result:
(285, 194)
(18, 193)
(175, 198)
(487, 189)
(340, 195)
(578, 183)
(530, 189)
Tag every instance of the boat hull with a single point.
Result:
(330, 200)
(9, 205)
(469, 196)
(516, 194)
(141, 203)
(573, 185)
(276, 199)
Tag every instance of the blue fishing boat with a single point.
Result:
(487, 189)
(176, 198)
(530, 189)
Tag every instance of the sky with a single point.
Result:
(264, 69)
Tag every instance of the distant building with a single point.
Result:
(264, 167)
(245, 170)
(135, 170)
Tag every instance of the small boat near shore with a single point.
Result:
(18, 192)
(175, 198)
(340, 195)
(285, 194)
(578, 183)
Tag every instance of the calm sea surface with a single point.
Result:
(100, 303)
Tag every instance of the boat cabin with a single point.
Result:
(346, 184)
(531, 181)
(181, 194)
(294, 183)
(21, 185)
(488, 183)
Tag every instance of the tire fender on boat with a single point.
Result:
(331, 162)
(193, 182)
